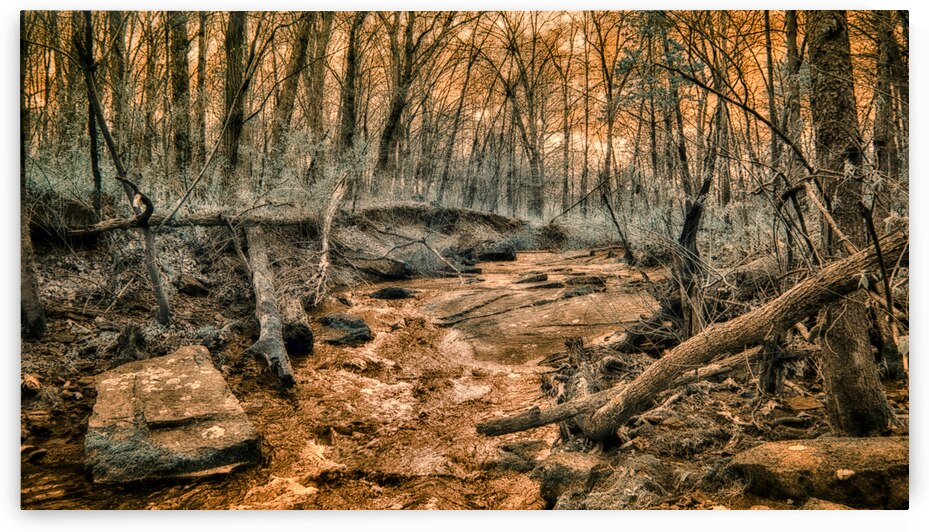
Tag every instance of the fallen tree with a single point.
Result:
(270, 344)
(610, 409)
(212, 219)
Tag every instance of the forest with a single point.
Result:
(464, 260)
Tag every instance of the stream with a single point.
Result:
(390, 424)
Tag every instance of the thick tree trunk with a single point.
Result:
(234, 92)
(885, 141)
(855, 398)
(270, 344)
(614, 407)
(316, 85)
(180, 91)
(347, 102)
(31, 310)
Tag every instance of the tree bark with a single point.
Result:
(234, 92)
(31, 309)
(180, 91)
(116, 28)
(885, 141)
(614, 407)
(200, 120)
(855, 398)
(270, 344)
(347, 102)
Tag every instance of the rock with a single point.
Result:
(583, 290)
(393, 292)
(343, 322)
(495, 251)
(170, 417)
(358, 331)
(859, 472)
(553, 284)
(537, 278)
(586, 280)
(191, 286)
(565, 472)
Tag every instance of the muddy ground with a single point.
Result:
(389, 424)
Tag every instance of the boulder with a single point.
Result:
(537, 278)
(357, 330)
(858, 472)
(170, 417)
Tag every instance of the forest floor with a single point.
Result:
(391, 424)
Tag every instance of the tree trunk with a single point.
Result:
(234, 94)
(316, 88)
(97, 198)
(116, 29)
(885, 142)
(200, 121)
(347, 107)
(855, 399)
(31, 309)
(180, 91)
(270, 344)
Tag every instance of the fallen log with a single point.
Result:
(297, 334)
(194, 220)
(270, 344)
(610, 409)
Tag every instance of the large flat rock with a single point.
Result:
(167, 418)
(859, 472)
